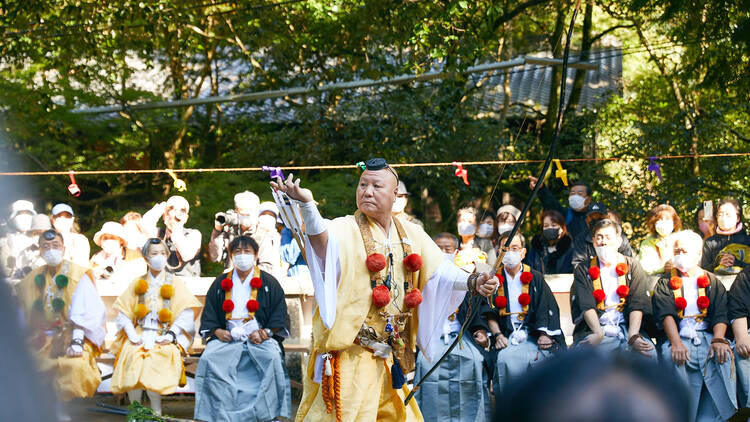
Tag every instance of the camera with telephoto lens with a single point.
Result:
(227, 218)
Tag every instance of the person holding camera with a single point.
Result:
(184, 244)
(228, 225)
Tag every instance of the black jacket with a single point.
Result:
(714, 244)
(557, 262)
(271, 312)
(664, 303)
(582, 296)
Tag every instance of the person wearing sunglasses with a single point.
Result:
(183, 244)
(155, 327)
(64, 316)
(372, 273)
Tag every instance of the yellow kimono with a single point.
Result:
(72, 377)
(159, 369)
(366, 392)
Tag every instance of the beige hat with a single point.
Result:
(515, 212)
(21, 206)
(111, 228)
(402, 188)
(178, 201)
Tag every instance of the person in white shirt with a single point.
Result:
(77, 248)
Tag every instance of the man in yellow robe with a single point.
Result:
(65, 317)
(156, 324)
(363, 338)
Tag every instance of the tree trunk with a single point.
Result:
(586, 42)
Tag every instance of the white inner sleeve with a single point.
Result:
(441, 299)
(184, 327)
(325, 278)
(88, 312)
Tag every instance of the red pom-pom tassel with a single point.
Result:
(227, 306)
(622, 291)
(621, 268)
(703, 302)
(594, 273)
(675, 282)
(252, 305)
(381, 296)
(526, 277)
(703, 281)
(524, 299)
(599, 295)
(256, 282)
(501, 301)
(413, 262)
(413, 298)
(226, 284)
(680, 303)
(375, 262)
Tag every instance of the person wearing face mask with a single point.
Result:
(110, 263)
(524, 321)
(506, 218)
(241, 374)
(30, 258)
(469, 254)
(184, 244)
(135, 235)
(399, 205)
(155, 327)
(706, 226)
(728, 251)
(268, 238)
(552, 249)
(242, 220)
(77, 248)
(583, 249)
(12, 263)
(579, 198)
(655, 252)
(690, 307)
(609, 298)
(65, 317)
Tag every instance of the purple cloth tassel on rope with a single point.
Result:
(275, 172)
(655, 167)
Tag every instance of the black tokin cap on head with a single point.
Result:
(374, 164)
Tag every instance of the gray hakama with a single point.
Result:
(242, 381)
(515, 360)
(712, 386)
(457, 390)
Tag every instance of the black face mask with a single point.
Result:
(551, 233)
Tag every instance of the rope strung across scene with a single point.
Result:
(354, 166)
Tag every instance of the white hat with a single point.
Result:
(515, 212)
(110, 228)
(178, 201)
(402, 188)
(21, 206)
(246, 200)
(61, 208)
(268, 206)
(40, 222)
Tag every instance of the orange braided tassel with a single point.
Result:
(337, 386)
(324, 391)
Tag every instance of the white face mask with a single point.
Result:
(111, 246)
(512, 258)
(577, 202)
(53, 257)
(504, 228)
(157, 262)
(485, 230)
(399, 205)
(63, 224)
(23, 222)
(684, 262)
(244, 261)
(466, 229)
(606, 254)
(664, 227)
(266, 221)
